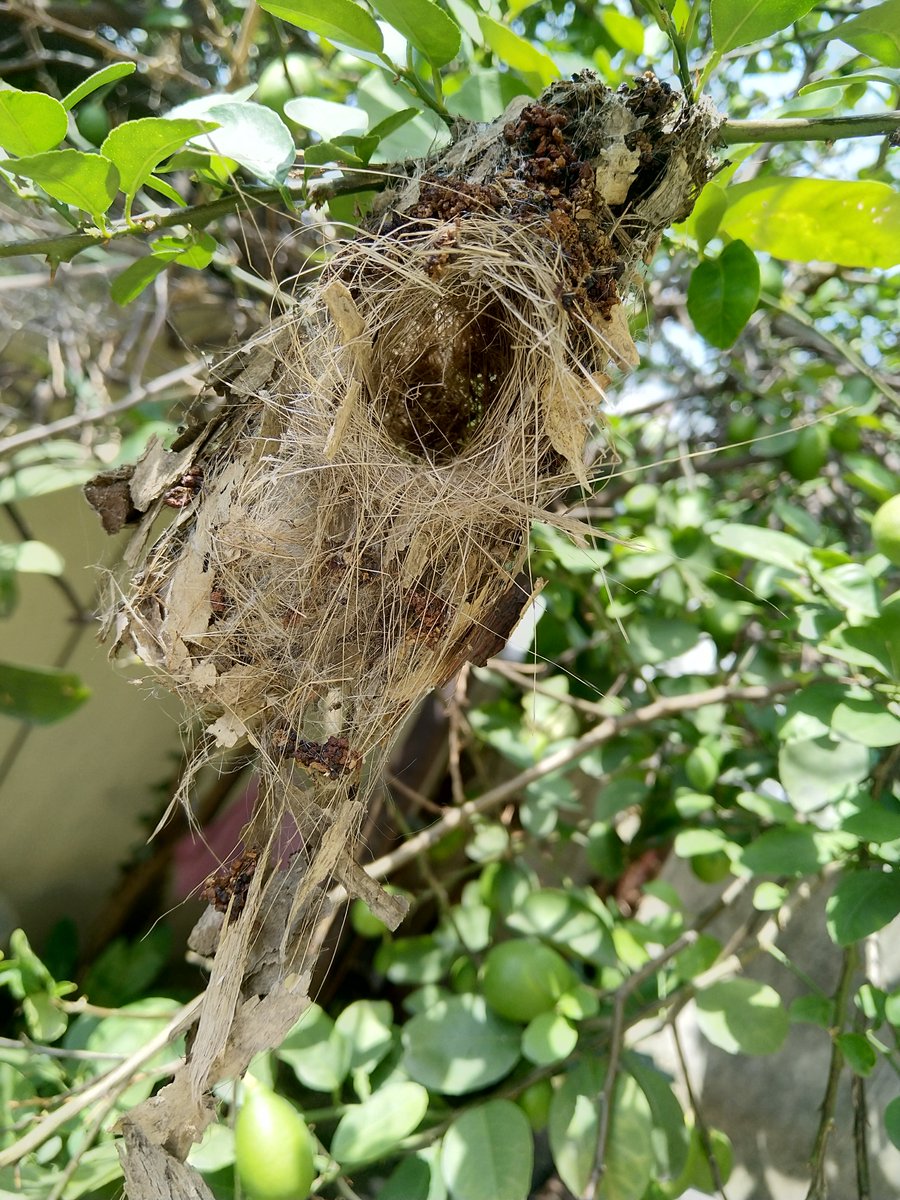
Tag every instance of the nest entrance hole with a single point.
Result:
(443, 371)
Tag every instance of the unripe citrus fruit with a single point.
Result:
(524, 978)
(273, 1149)
(535, 1103)
(702, 768)
(809, 453)
(886, 530)
(92, 122)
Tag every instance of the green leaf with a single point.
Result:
(874, 644)
(126, 1031)
(458, 1045)
(853, 224)
(858, 1051)
(391, 124)
(488, 1152)
(432, 31)
(129, 283)
(892, 1121)
(367, 1026)
(799, 851)
(45, 1020)
(765, 545)
(723, 293)
(317, 1053)
(548, 1038)
(328, 119)
(655, 640)
(820, 771)
(138, 147)
(573, 1133)
(862, 903)
(868, 722)
(875, 32)
(337, 20)
(89, 181)
(739, 22)
(561, 917)
(31, 557)
(670, 1137)
(250, 134)
(703, 223)
(485, 95)
(742, 1016)
(40, 695)
(812, 1009)
(97, 80)
(874, 822)
(369, 1131)
(30, 123)
(412, 1179)
(849, 586)
(530, 62)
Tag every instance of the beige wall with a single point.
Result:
(71, 802)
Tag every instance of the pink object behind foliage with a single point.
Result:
(200, 853)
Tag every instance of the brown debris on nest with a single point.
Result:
(352, 526)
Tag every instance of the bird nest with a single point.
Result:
(352, 525)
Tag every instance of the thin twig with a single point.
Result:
(103, 1086)
(138, 395)
(800, 129)
(607, 729)
(58, 1051)
(818, 1187)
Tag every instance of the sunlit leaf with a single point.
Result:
(517, 53)
(30, 122)
(424, 25)
(739, 22)
(88, 181)
(337, 20)
(97, 80)
(875, 32)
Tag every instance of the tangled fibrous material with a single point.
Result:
(353, 523)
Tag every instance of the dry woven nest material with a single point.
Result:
(352, 525)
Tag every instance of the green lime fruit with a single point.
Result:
(641, 500)
(524, 978)
(712, 867)
(886, 530)
(702, 768)
(809, 453)
(742, 426)
(276, 85)
(92, 122)
(535, 1103)
(845, 437)
(273, 1149)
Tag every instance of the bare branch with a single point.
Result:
(798, 129)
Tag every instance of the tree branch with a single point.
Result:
(801, 129)
(62, 247)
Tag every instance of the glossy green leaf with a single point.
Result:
(862, 903)
(873, 644)
(742, 1016)
(849, 586)
(573, 1133)
(853, 224)
(88, 181)
(368, 1131)
(337, 20)
(723, 293)
(328, 119)
(765, 545)
(487, 1153)
(548, 1038)
(739, 22)
(138, 147)
(868, 722)
(251, 134)
(513, 50)
(458, 1045)
(670, 1137)
(822, 770)
(859, 1053)
(30, 557)
(98, 79)
(892, 1121)
(317, 1053)
(424, 25)
(40, 695)
(485, 95)
(799, 851)
(129, 284)
(703, 223)
(812, 1009)
(875, 32)
(889, 77)
(30, 122)
(367, 1026)
(561, 917)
